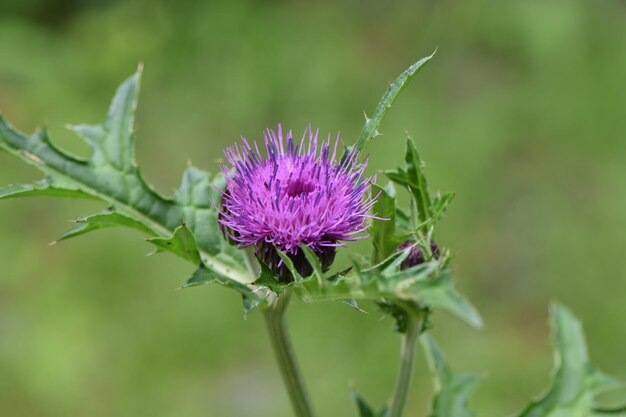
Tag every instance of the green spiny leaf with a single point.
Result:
(251, 297)
(314, 261)
(197, 197)
(181, 243)
(382, 230)
(440, 206)
(413, 178)
(576, 382)
(268, 279)
(441, 294)
(318, 273)
(113, 142)
(370, 130)
(109, 218)
(201, 276)
(43, 188)
(250, 303)
(403, 220)
(425, 211)
(452, 390)
(399, 176)
(428, 284)
(362, 406)
(417, 180)
(351, 302)
(112, 175)
(364, 409)
(290, 266)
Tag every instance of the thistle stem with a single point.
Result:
(279, 336)
(407, 362)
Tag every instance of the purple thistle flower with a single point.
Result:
(293, 195)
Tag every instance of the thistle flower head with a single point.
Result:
(293, 194)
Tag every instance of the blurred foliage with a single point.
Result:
(521, 114)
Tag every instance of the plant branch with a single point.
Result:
(279, 336)
(407, 361)
(281, 344)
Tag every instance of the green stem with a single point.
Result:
(407, 362)
(279, 336)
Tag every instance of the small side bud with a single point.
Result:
(416, 255)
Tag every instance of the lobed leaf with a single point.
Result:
(185, 224)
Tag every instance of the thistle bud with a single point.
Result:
(416, 255)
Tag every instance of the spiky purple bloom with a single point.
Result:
(292, 195)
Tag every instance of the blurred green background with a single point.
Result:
(522, 113)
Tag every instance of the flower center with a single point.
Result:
(299, 187)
